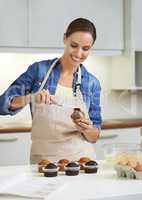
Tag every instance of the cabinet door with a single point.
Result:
(48, 21)
(15, 148)
(123, 72)
(136, 24)
(130, 135)
(13, 23)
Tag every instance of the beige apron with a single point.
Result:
(54, 135)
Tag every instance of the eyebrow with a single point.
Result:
(87, 46)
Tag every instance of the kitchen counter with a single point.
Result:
(121, 123)
(107, 124)
(105, 185)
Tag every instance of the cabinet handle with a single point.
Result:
(8, 139)
(108, 136)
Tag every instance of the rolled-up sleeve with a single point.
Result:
(95, 109)
(20, 87)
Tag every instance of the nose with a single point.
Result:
(78, 52)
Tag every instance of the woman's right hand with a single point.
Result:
(40, 97)
(44, 97)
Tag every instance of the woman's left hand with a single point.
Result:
(85, 126)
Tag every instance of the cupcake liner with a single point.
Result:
(90, 167)
(72, 168)
(50, 170)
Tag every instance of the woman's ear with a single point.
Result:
(64, 39)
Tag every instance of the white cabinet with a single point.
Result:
(136, 38)
(15, 148)
(34, 23)
(126, 72)
(122, 72)
(13, 23)
(127, 69)
(49, 19)
(136, 25)
(132, 21)
(112, 136)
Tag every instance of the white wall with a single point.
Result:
(114, 104)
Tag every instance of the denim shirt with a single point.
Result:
(30, 81)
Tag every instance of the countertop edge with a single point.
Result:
(107, 124)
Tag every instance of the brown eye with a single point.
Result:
(73, 45)
(85, 48)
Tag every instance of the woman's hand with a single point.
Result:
(19, 102)
(44, 97)
(40, 97)
(82, 124)
(85, 126)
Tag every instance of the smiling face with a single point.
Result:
(77, 47)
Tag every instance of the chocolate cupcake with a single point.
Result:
(72, 169)
(51, 170)
(91, 167)
(62, 163)
(77, 114)
(82, 161)
(42, 164)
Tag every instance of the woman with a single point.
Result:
(53, 88)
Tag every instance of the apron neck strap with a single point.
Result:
(79, 75)
(76, 80)
(48, 73)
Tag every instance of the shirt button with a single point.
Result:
(39, 83)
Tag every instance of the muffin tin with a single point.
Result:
(127, 172)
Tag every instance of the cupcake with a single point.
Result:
(77, 114)
(51, 170)
(72, 169)
(91, 166)
(41, 164)
(82, 161)
(62, 163)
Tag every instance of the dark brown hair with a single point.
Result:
(83, 25)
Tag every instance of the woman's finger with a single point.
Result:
(37, 98)
(79, 128)
(83, 125)
(86, 121)
(53, 100)
(42, 97)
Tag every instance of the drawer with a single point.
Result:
(15, 148)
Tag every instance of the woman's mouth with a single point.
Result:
(75, 59)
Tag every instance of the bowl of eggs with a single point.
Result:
(122, 153)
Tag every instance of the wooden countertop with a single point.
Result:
(107, 124)
(121, 123)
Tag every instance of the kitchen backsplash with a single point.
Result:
(114, 105)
